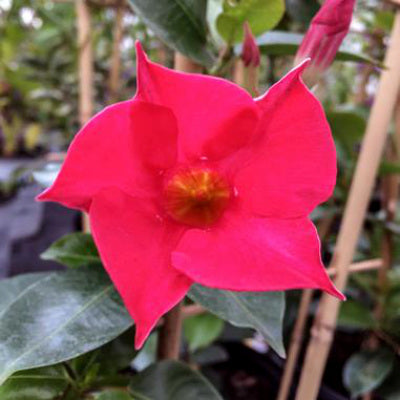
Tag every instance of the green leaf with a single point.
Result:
(58, 317)
(201, 330)
(11, 289)
(113, 394)
(389, 168)
(180, 23)
(390, 388)
(73, 250)
(366, 370)
(37, 384)
(117, 354)
(281, 43)
(353, 314)
(171, 380)
(348, 128)
(260, 14)
(262, 311)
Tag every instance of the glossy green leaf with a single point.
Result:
(260, 14)
(118, 354)
(281, 43)
(348, 128)
(201, 330)
(262, 311)
(73, 250)
(355, 315)
(180, 23)
(59, 317)
(390, 388)
(37, 384)
(366, 370)
(171, 380)
(114, 394)
(11, 289)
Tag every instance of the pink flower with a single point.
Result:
(194, 181)
(325, 35)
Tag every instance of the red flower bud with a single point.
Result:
(250, 53)
(326, 33)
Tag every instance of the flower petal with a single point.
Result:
(215, 117)
(135, 246)
(254, 254)
(294, 167)
(121, 146)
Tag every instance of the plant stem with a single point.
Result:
(169, 337)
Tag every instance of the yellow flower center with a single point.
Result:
(196, 196)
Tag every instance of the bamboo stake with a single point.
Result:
(390, 194)
(116, 52)
(169, 338)
(85, 66)
(297, 337)
(184, 64)
(85, 69)
(296, 341)
(389, 199)
(239, 72)
(361, 266)
(360, 192)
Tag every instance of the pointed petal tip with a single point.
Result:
(301, 65)
(336, 293)
(293, 76)
(141, 335)
(139, 50)
(44, 196)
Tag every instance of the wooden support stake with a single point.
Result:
(116, 52)
(170, 333)
(85, 71)
(297, 337)
(184, 64)
(360, 193)
(296, 342)
(85, 66)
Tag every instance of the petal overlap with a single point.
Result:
(135, 245)
(293, 167)
(254, 254)
(123, 146)
(215, 117)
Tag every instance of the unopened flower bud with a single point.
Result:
(325, 35)
(250, 53)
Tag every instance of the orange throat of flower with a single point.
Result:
(196, 197)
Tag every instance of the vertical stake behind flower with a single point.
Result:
(247, 70)
(325, 35)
